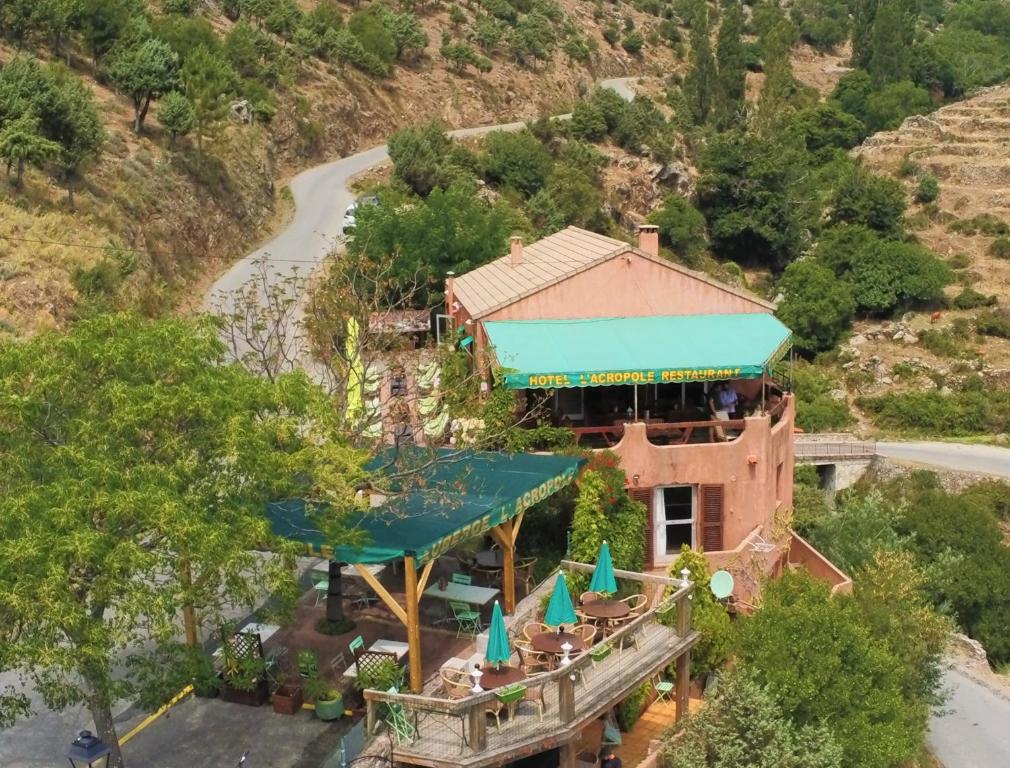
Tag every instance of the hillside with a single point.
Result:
(150, 222)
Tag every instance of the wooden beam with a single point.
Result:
(651, 578)
(503, 534)
(382, 592)
(683, 684)
(413, 625)
(423, 581)
(516, 524)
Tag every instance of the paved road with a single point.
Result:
(984, 459)
(975, 731)
(321, 195)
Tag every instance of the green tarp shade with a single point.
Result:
(459, 495)
(612, 351)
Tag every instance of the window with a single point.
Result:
(677, 508)
(398, 385)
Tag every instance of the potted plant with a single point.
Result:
(287, 699)
(308, 664)
(243, 679)
(328, 700)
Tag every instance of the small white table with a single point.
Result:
(349, 571)
(463, 593)
(381, 646)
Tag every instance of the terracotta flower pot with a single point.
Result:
(287, 699)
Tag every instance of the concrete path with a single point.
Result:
(974, 731)
(982, 459)
(321, 195)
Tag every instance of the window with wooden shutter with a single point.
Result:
(645, 495)
(711, 503)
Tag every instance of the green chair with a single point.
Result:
(320, 583)
(664, 691)
(462, 578)
(355, 646)
(403, 730)
(466, 618)
(510, 696)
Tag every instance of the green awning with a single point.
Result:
(635, 350)
(459, 495)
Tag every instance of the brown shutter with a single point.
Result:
(645, 495)
(711, 517)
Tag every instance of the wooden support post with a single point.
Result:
(566, 697)
(370, 717)
(683, 684)
(503, 534)
(684, 614)
(383, 593)
(566, 755)
(477, 721)
(422, 583)
(188, 613)
(413, 625)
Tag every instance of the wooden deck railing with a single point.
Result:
(447, 728)
(675, 432)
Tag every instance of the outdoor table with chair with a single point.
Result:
(392, 647)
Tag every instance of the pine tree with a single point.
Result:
(732, 66)
(22, 142)
(863, 14)
(700, 83)
(207, 79)
(176, 115)
(890, 43)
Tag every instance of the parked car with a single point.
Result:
(350, 215)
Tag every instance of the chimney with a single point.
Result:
(449, 293)
(648, 239)
(515, 251)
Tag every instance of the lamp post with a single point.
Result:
(86, 750)
(566, 648)
(476, 675)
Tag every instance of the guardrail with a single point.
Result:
(829, 448)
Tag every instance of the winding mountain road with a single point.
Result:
(321, 195)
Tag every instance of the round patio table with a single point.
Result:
(499, 678)
(551, 642)
(490, 558)
(606, 609)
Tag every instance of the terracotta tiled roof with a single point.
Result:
(549, 261)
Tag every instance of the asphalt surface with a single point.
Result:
(974, 730)
(982, 459)
(321, 195)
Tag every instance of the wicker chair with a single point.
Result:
(533, 628)
(524, 573)
(636, 604)
(587, 632)
(586, 597)
(531, 660)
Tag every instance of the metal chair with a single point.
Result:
(320, 583)
(462, 578)
(403, 730)
(356, 646)
(664, 690)
(339, 664)
(466, 618)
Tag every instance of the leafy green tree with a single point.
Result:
(143, 73)
(824, 24)
(517, 160)
(185, 34)
(346, 47)
(605, 512)
(732, 67)
(487, 32)
(284, 18)
(886, 108)
(633, 42)
(418, 155)
(176, 115)
(242, 49)
(588, 121)
(841, 246)
(532, 39)
(71, 119)
(859, 528)
(368, 27)
(818, 408)
(852, 92)
(818, 307)
(576, 197)
(826, 128)
(782, 92)
(863, 14)
(895, 274)
(743, 722)
(103, 22)
(135, 507)
(22, 143)
(700, 83)
(865, 198)
(681, 227)
(756, 194)
(823, 664)
(928, 189)
(207, 80)
(408, 34)
(451, 229)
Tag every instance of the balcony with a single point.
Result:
(458, 732)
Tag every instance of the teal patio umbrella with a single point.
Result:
(560, 609)
(498, 649)
(603, 577)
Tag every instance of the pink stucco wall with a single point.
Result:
(627, 286)
(753, 490)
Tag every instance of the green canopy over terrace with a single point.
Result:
(452, 495)
(612, 351)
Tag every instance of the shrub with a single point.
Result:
(633, 42)
(941, 343)
(935, 413)
(517, 160)
(907, 167)
(382, 676)
(605, 512)
(611, 34)
(928, 189)
(1000, 248)
(629, 710)
(369, 28)
(886, 108)
(895, 274)
(969, 298)
(864, 198)
(959, 261)
(418, 155)
(816, 409)
(708, 616)
(993, 323)
(983, 224)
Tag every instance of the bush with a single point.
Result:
(418, 155)
(818, 307)
(629, 710)
(894, 274)
(935, 413)
(816, 409)
(959, 261)
(1000, 248)
(928, 189)
(517, 160)
(886, 108)
(681, 227)
(969, 298)
(605, 512)
(873, 201)
(983, 224)
(611, 34)
(941, 343)
(633, 42)
(708, 616)
(993, 323)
